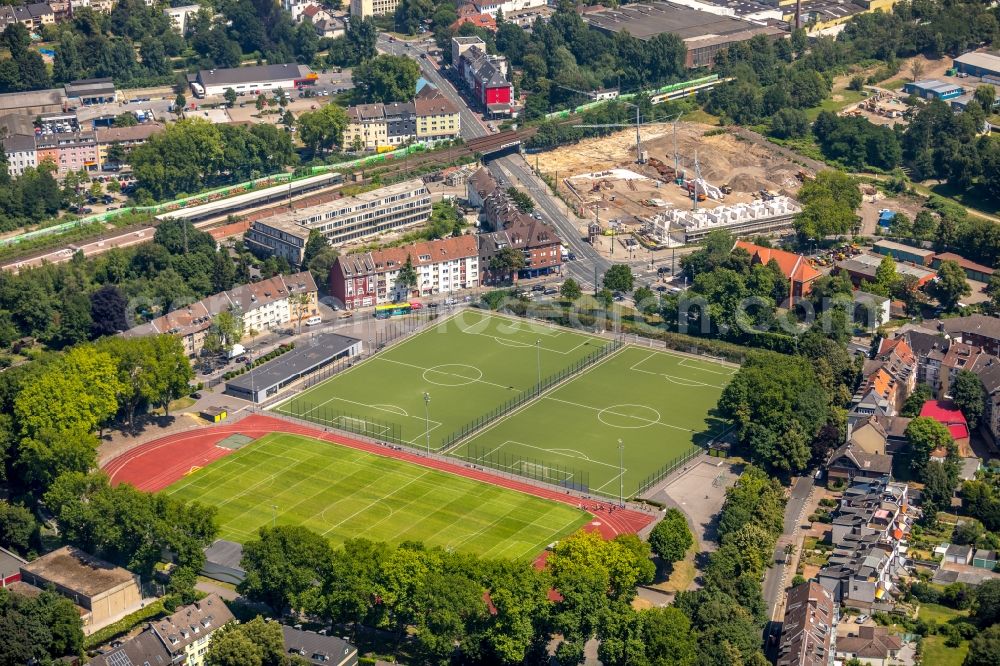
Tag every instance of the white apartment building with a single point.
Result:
(21, 153)
(443, 266)
(179, 16)
(351, 218)
(366, 8)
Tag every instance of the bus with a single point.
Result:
(392, 310)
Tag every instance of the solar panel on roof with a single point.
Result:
(119, 659)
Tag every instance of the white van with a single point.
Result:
(314, 320)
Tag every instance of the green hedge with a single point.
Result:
(274, 353)
(153, 611)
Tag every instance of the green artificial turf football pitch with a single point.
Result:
(343, 493)
(468, 365)
(658, 404)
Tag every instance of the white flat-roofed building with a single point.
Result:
(351, 218)
(179, 16)
(255, 79)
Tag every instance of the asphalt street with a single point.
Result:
(775, 578)
(510, 168)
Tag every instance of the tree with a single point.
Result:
(324, 128)
(925, 435)
(969, 395)
(18, 527)
(829, 203)
(108, 311)
(180, 102)
(282, 565)
(406, 278)
(619, 278)
(950, 285)
(986, 96)
(386, 78)
(646, 300)
(506, 264)
(523, 202)
(779, 406)
(915, 401)
(230, 96)
(258, 641)
(570, 290)
(605, 297)
(671, 537)
(984, 649)
(986, 609)
(886, 276)
(232, 647)
(51, 453)
(789, 123)
(126, 119)
(316, 243)
(38, 629)
(76, 393)
(993, 291)
(668, 637)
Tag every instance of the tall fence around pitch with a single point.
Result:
(669, 467)
(530, 394)
(359, 424)
(529, 468)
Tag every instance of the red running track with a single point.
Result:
(157, 464)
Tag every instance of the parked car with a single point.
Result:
(861, 619)
(537, 287)
(416, 305)
(549, 291)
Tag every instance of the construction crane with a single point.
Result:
(638, 125)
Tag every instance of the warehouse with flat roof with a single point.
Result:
(704, 33)
(933, 89)
(979, 64)
(254, 79)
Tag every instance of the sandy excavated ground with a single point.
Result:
(723, 160)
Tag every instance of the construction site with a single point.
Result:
(683, 181)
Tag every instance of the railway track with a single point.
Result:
(123, 237)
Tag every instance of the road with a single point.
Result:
(511, 168)
(774, 581)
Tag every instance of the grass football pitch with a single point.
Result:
(658, 403)
(468, 365)
(343, 493)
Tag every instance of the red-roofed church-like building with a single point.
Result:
(793, 266)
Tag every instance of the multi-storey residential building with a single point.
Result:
(808, 631)
(125, 137)
(494, 7)
(21, 153)
(484, 75)
(32, 16)
(430, 117)
(442, 266)
(869, 536)
(69, 151)
(263, 306)
(437, 118)
(180, 639)
(351, 218)
(188, 632)
(366, 8)
(179, 16)
(366, 127)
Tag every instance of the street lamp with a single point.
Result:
(538, 361)
(621, 474)
(427, 421)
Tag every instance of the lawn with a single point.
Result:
(658, 404)
(467, 366)
(939, 654)
(343, 493)
(844, 98)
(938, 613)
